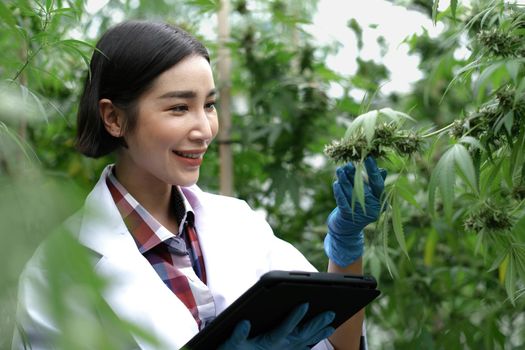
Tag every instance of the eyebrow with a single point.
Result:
(186, 94)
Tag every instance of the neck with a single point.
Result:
(152, 193)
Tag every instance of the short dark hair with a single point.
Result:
(125, 63)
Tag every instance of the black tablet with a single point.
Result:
(268, 302)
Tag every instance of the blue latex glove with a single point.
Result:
(344, 242)
(286, 336)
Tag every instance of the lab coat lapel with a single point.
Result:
(136, 293)
(229, 269)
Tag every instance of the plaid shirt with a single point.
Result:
(177, 259)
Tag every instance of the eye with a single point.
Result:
(179, 108)
(210, 106)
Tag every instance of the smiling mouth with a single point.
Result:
(189, 155)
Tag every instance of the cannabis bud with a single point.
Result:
(488, 218)
(387, 137)
(501, 43)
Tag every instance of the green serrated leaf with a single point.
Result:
(486, 15)
(490, 177)
(359, 189)
(484, 79)
(446, 180)
(513, 68)
(391, 267)
(369, 127)
(499, 260)
(464, 161)
(358, 122)
(508, 121)
(462, 72)
(519, 229)
(519, 256)
(502, 121)
(397, 224)
(472, 141)
(394, 115)
(520, 88)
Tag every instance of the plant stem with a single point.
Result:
(434, 133)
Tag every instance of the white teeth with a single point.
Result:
(189, 155)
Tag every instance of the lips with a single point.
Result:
(192, 158)
(189, 155)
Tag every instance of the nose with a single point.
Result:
(202, 129)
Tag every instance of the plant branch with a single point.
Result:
(434, 133)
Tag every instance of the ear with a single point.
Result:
(112, 117)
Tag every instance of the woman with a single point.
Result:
(182, 255)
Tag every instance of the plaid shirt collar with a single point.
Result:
(144, 228)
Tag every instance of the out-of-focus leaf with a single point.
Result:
(485, 78)
(205, 6)
(9, 137)
(6, 15)
(49, 5)
(513, 67)
(18, 103)
(435, 10)
(405, 190)
(430, 248)
(519, 229)
(453, 8)
(510, 277)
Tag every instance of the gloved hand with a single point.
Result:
(286, 336)
(344, 242)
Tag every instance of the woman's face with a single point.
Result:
(176, 122)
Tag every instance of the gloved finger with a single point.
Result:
(289, 323)
(316, 324)
(341, 198)
(239, 334)
(347, 171)
(320, 335)
(383, 173)
(345, 178)
(375, 179)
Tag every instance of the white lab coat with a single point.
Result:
(238, 247)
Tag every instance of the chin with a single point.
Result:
(187, 182)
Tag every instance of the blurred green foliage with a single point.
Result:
(445, 287)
